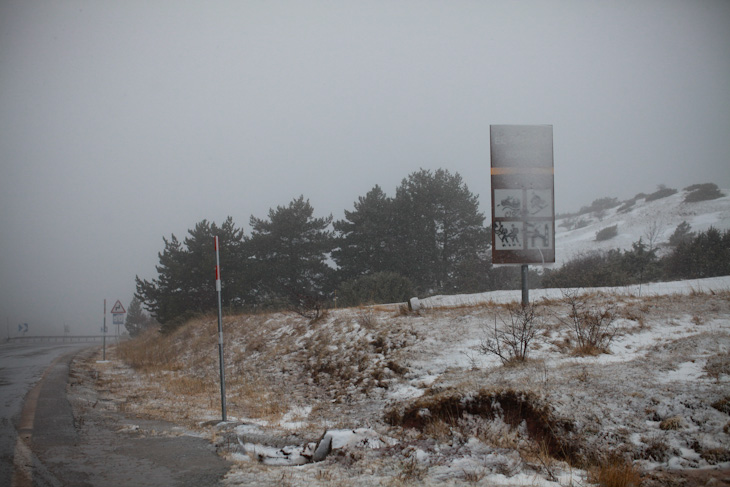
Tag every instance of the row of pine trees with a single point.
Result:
(428, 238)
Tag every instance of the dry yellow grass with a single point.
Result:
(615, 473)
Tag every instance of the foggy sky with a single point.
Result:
(123, 122)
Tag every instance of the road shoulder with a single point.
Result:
(85, 440)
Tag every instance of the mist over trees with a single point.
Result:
(184, 286)
(429, 238)
(137, 321)
(431, 232)
(288, 254)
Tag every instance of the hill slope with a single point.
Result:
(655, 220)
(412, 399)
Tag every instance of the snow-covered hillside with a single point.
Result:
(654, 220)
(412, 398)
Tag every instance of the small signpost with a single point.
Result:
(118, 313)
(523, 197)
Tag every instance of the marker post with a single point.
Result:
(103, 333)
(220, 328)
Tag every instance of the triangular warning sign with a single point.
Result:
(118, 308)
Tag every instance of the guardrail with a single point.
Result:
(64, 338)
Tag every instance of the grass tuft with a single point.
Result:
(617, 472)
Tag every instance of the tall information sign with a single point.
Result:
(523, 196)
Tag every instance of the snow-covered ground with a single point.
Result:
(654, 220)
(374, 384)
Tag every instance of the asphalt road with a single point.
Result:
(57, 438)
(21, 367)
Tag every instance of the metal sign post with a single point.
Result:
(118, 313)
(523, 197)
(103, 332)
(220, 328)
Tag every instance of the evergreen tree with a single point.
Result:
(289, 250)
(185, 284)
(163, 296)
(379, 287)
(706, 255)
(682, 234)
(640, 263)
(365, 243)
(137, 320)
(443, 241)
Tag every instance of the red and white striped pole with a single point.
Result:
(220, 327)
(103, 334)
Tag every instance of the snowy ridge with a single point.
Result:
(659, 217)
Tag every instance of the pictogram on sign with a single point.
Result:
(118, 308)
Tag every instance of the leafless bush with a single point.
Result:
(718, 365)
(411, 470)
(367, 320)
(593, 324)
(722, 405)
(310, 306)
(511, 342)
(656, 450)
(713, 456)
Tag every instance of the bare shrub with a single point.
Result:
(474, 476)
(411, 470)
(540, 454)
(511, 343)
(713, 456)
(593, 324)
(367, 320)
(718, 365)
(722, 405)
(310, 306)
(656, 450)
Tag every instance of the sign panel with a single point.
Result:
(118, 319)
(118, 308)
(523, 196)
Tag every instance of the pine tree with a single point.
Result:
(441, 233)
(185, 283)
(682, 234)
(289, 250)
(365, 243)
(137, 320)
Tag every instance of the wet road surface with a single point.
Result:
(75, 440)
